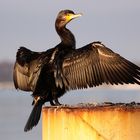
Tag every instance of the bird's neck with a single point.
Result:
(66, 36)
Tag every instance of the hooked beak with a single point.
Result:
(75, 16)
(72, 16)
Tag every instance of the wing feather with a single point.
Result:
(27, 69)
(20, 78)
(95, 64)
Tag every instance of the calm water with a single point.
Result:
(15, 107)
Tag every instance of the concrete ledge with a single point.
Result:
(92, 122)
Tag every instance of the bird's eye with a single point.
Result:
(69, 15)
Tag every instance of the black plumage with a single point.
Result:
(51, 73)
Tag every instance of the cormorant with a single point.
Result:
(51, 73)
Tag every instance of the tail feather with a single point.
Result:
(34, 117)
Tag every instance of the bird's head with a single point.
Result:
(64, 17)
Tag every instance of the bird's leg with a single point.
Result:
(52, 103)
(57, 102)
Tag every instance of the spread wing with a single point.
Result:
(95, 64)
(26, 70)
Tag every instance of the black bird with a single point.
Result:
(51, 73)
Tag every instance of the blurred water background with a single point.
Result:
(15, 107)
